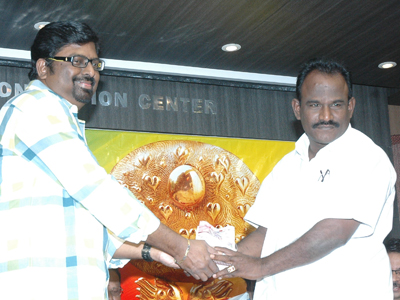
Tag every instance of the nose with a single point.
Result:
(396, 277)
(325, 113)
(89, 70)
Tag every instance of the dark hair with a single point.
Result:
(393, 245)
(323, 65)
(51, 38)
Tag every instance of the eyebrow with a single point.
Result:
(318, 101)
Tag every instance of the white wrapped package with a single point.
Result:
(217, 237)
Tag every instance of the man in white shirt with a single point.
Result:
(325, 209)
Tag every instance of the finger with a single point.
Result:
(213, 268)
(223, 274)
(202, 273)
(225, 250)
(211, 249)
(220, 257)
(209, 271)
(195, 276)
(203, 277)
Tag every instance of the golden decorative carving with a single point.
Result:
(182, 152)
(217, 289)
(224, 162)
(213, 290)
(165, 211)
(219, 178)
(143, 160)
(162, 290)
(189, 234)
(152, 182)
(213, 210)
(243, 209)
(186, 186)
(243, 184)
(184, 182)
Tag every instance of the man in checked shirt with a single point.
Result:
(64, 221)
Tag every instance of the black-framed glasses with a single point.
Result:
(81, 61)
(397, 272)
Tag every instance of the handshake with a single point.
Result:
(195, 256)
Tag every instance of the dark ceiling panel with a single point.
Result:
(276, 35)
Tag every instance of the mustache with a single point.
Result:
(331, 123)
(396, 284)
(84, 78)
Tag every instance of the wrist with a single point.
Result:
(146, 253)
(155, 254)
(178, 262)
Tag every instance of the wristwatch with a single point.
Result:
(146, 253)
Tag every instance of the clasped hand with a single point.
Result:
(201, 263)
(198, 262)
(240, 265)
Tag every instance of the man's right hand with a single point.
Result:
(198, 262)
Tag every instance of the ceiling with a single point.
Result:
(276, 36)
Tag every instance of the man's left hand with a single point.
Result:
(240, 265)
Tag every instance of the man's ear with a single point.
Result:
(351, 106)
(296, 108)
(42, 68)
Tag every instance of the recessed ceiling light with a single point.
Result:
(231, 47)
(40, 25)
(387, 65)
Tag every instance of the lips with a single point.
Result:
(325, 127)
(85, 82)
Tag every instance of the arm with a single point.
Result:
(171, 246)
(252, 244)
(326, 236)
(134, 251)
(111, 204)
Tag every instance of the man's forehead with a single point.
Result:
(318, 81)
(394, 260)
(76, 48)
(318, 76)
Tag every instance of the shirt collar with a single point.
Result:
(38, 85)
(303, 143)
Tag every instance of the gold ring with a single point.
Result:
(231, 269)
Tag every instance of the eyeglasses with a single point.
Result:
(80, 61)
(116, 292)
(397, 272)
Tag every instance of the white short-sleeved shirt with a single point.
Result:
(351, 178)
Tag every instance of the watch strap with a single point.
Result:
(146, 253)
